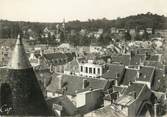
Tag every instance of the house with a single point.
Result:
(154, 57)
(5, 55)
(95, 48)
(55, 61)
(62, 106)
(159, 81)
(122, 59)
(91, 68)
(132, 32)
(136, 101)
(86, 94)
(141, 32)
(113, 30)
(145, 50)
(149, 30)
(72, 67)
(155, 64)
(70, 85)
(129, 76)
(82, 103)
(115, 72)
(146, 75)
(106, 111)
(113, 93)
(137, 59)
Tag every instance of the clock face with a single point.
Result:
(5, 109)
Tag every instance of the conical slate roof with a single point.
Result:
(20, 90)
(19, 59)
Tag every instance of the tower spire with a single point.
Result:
(19, 58)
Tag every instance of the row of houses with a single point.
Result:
(124, 85)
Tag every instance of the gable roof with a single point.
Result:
(74, 84)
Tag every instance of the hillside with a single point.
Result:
(10, 29)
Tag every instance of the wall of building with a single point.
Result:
(90, 69)
(89, 100)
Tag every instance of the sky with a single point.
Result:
(57, 10)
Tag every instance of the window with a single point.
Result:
(94, 70)
(86, 69)
(90, 70)
(98, 70)
(81, 68)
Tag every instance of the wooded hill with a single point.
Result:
(10, 29)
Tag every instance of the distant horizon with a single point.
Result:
(81, 20)
(56, 10)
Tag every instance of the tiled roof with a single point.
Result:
(137, 59)
(135, 87)
(51, 56)
(64, 101)
(115, 72)
(74, 84)
(160, 82)
(130, 75)
(58, 58)
(154, 58)
(119, 89)
(125, 100)
(72, 66)
(154, 64)
(146, 74)
(123, 59)
(144, 50)
(107, 111)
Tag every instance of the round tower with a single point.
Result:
(20, 92)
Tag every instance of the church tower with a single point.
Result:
(20, 92)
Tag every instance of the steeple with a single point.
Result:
(19, 58)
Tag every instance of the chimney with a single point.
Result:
(60, 81)
(134, 95)
(109, 60)
(41, 52)
(165, 69)
(132, 53)
(147, 56)
(116, 81)
(130, 83)
(84, 84)
(51, 68)
(155, 109)
(138, 74)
